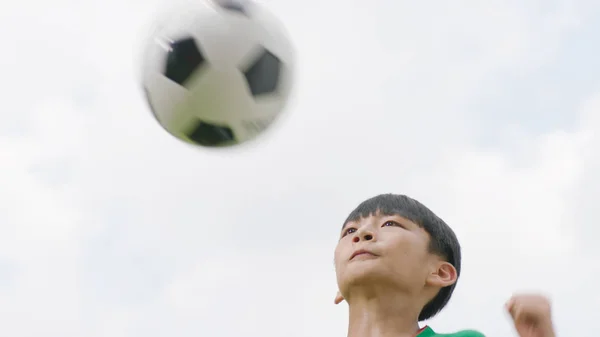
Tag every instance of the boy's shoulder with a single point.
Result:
(428, 332)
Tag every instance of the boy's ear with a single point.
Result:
(338, 298)
(445, 275)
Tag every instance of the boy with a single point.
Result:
(397, 264)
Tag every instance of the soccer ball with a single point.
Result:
(218, 73)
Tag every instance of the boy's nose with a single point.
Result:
(363, 235)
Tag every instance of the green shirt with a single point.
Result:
(428, 332)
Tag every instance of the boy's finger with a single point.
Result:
(516, 312)
(510, 304)
(513, 308)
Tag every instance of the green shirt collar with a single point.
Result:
(427, 332)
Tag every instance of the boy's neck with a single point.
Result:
(387, 316)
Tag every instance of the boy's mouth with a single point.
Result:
(361, 252)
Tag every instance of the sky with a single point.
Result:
(487, 112)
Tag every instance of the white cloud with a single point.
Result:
(112, 228)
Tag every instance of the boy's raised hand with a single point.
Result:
(531, 315)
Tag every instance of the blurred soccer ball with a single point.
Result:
(218, 73)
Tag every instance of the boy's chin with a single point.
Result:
(365, 274)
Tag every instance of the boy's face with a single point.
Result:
(395, 252)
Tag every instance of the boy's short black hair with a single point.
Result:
(443, 240)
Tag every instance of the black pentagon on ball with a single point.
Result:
(207, 134)
(183, 59)
(263, 75)
(236, 6)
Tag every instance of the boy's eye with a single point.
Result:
(391, 223)
(349, 231)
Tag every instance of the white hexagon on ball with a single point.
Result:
(218, 73)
